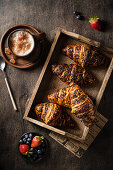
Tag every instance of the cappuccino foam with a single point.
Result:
(21, 43)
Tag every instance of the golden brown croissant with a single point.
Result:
(73, 97)
(84, 55)
(73, 73)
(51, 114)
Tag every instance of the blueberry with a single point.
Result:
(35, 156)
(78, 17)
(43, 150)
(20, 141)
(24, 139)
(43, 144)
(31, 149)
(39, 152)
(26, 136)
(76, 13)
(38, 148)
(30, 135)
(29, 139)
(28, 143)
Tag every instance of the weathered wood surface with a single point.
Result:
(47, 16)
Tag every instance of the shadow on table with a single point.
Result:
(102, 147)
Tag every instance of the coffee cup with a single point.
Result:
(21, 42)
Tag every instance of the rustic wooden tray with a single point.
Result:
(78, 148)
(47, 82)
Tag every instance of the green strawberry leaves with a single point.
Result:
(40, 138)
(28, 153)
(92, 20)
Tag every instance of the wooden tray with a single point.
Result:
(22, 62)
(78, 148)
(48, 82)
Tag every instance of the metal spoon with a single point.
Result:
(2, 67)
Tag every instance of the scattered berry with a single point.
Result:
(36, 141)
(95, 23)
(78, 17)
(76, 13)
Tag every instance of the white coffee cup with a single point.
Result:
(21, 43)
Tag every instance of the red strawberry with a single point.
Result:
(24, 149)
(36, 141)
(95, 23)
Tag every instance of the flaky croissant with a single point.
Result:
(73, 97)
(84, 55)
(73, 73)
(51, 114)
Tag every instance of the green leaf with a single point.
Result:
(95, 19)
(40, 137)
(26, 153)
(31, 153)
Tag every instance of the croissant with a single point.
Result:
(73, 97)
(84, 55)
(73, 73)
(52, 114)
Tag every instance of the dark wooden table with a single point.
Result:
(47, 16)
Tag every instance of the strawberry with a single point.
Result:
(95, 23)
(36, 141)
(24, 149)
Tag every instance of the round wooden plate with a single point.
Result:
(27, 62)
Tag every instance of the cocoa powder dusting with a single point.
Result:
(22, 44)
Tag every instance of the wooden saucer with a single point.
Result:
(22, 62)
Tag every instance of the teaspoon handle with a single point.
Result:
(10, 93)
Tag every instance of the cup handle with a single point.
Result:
(40, 36)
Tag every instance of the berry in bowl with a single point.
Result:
(33, 146)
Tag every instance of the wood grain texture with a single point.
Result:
(47, 16)
(78, 148)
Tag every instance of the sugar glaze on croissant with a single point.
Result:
(69, 73)
(84, 55)
(73, 97)
(52, 114)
